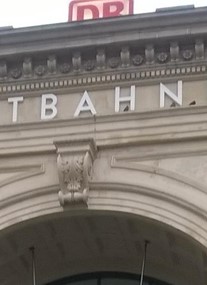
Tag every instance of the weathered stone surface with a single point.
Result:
(87, 191)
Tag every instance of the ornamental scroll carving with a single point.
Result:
(74, 162)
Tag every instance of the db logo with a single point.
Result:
(93, 9)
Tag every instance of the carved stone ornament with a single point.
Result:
(101, 58)
(187, 54)
(199, 49)
(3, 68)
(162, 57)
(125, 56)
(74, 163)
(16, 73)
(65, 68)
(52, 64)
(137, 60)
(27, 66)
(76, 61)
(174, 51)
(89, 65)
(40, 70)
(149, 54)
(114, 62)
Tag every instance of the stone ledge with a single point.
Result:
(139, 76)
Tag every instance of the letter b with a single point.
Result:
(48, 108)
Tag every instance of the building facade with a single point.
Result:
(103, 147)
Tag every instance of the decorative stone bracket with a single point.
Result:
(75, 160)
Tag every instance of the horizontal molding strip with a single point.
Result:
(94, 79)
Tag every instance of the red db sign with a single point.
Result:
(93, 9)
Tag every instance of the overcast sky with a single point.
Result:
(20, 13)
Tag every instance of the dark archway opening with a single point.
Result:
(107, 278)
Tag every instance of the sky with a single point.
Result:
(22, 13)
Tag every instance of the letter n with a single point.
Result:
(164, 91)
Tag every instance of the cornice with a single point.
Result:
(139, 47)
(156, 26)
(150, 62)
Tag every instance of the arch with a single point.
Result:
(122, 188)
(126, 188)
(84, 241)
(146, 203)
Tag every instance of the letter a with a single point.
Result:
(85, 105)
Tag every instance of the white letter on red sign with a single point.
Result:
(109, 11)
(48, 107)
(93, 9)
(81, 10)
